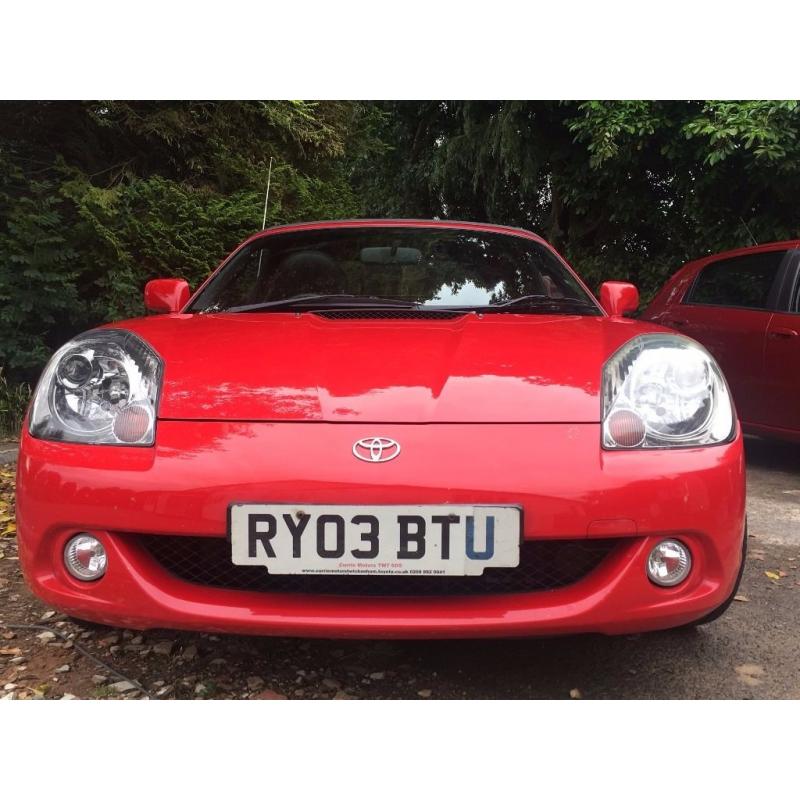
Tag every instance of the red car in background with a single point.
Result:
(744, 307)
(384, 428)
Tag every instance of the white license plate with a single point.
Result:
(375, 540)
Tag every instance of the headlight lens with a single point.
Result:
(661, 390)
(100, 388)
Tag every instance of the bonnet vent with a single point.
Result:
(387, 313)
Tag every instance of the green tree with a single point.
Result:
(98, 197)
(625, 189)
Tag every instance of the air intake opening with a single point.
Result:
(544, 565)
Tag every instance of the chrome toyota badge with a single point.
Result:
(376, 449)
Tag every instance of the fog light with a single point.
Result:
(669, 563)
(85, 558)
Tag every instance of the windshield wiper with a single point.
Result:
(537, 302)
(310, 301)
(541, 303)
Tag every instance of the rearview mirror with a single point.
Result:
(166, 295)
(618, 298)
(390, 255)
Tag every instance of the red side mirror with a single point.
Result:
(617, 298)
(166, 295)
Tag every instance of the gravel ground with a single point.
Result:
(8, 452)
(751, 652)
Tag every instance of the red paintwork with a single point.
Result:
(618, 297)
(758, 350)
(302, 367)
(267, 407)
(782, 375)
(565, 483)
(166, 295)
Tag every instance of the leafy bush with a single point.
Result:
(14, 399)
(96, 198)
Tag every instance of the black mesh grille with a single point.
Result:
(388, 313)
(543, 565)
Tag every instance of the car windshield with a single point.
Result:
(430, 268)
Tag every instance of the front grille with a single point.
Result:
(543, 565)
(388, 313)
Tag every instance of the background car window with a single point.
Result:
(744, 281)
(794, 306)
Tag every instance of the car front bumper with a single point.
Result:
(567, 486)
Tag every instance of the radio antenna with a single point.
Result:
(264, 222)
(749, 232)
(266, 197)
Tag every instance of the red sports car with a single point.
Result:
(384, 428)
(744, 306)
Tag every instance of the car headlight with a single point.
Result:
(100, 388)
(662, 390)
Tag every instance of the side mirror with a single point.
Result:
(166, 295)
(618, 298)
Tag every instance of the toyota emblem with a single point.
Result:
(376, 449)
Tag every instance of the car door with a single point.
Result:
(728, 309)
(782, 353)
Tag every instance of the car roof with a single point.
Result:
(743, 251)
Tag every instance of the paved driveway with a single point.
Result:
(751, 652)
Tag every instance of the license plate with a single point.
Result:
(375, 540)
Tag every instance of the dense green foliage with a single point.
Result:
(98, 197)
(625, 189)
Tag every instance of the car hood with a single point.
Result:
(306, 367)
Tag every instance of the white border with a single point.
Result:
(402, 749)
(349, 49)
